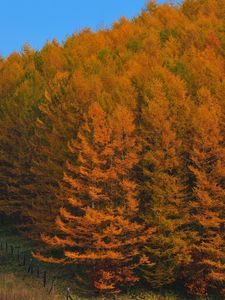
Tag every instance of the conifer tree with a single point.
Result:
(17, 122)
(58, 116)
(163, 191)
(207, 268)
(99, 220)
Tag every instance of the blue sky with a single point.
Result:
(36, 21)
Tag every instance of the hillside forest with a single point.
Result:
(112, 149)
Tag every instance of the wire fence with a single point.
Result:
(32, 267)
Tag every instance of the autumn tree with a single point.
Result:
(207, 268)
(17, 123)
(58, 121)
(99, 219)
(163, 191)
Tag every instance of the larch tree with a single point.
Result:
(17, 122)
(99, 222)
(163, 190)
(207, 268)
(59, 120)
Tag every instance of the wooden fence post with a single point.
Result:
(12, 249)
(30, 267)
(24, 260)
(52, 285)
(44, 278)
(68, 296)
(18, 253)
(38, 271)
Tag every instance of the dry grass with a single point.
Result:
(12, 288)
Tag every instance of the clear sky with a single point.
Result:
(36, 21)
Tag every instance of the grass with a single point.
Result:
(12, 288)
(17, 284)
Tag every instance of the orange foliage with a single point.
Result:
(118, 131)
(101, 222)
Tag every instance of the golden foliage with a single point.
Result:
(117, 132)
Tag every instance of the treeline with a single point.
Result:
(112, 148)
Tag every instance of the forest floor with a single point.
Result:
(18, 282)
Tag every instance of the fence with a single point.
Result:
(31, 267)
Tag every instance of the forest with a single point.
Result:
(112, 150)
